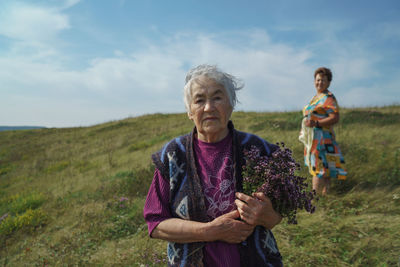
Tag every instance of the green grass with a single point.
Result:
(75, 196)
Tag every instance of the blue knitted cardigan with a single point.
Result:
(176, 162)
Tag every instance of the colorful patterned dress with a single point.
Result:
(322, 153)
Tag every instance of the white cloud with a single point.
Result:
(278, 76)
(31, 23)
(369, 96)
(70, 3)
(349, 70)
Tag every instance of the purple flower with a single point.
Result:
(275, 177)
(122, 199)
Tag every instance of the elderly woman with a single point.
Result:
(322, 154)
(194, 201)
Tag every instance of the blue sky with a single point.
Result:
(66, 63)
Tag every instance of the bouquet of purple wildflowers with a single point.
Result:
(275, 177)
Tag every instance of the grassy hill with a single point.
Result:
(74, 196)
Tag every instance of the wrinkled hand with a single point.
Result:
(228, 229)
(257, 210)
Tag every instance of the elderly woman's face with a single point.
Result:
(210, 109)
(321, 82)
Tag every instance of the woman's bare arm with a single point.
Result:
(224, 228)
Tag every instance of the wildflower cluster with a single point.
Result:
(119, 204)
(122, 202)
(155, 258)
(275, 177)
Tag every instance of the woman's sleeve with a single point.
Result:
(156, 208)
(331, 105)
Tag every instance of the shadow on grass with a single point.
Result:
(341, 188)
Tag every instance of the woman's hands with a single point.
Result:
(310, 123)
(228, 229)
(225, 228)
(332, 119)
(253, 210)
(257, 210)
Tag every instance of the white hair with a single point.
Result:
(229, 82)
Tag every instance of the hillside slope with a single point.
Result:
(74, 196)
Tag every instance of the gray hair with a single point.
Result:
(229, 82)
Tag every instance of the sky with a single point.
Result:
(72, 63)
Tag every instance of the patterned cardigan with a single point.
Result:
(176, 162)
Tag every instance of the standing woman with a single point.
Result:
(321, 152)
(194, 201)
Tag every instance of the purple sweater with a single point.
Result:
(215, 169)
(190, 174)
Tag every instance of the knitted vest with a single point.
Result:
(176, 162)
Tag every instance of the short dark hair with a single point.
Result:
(324, 71)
